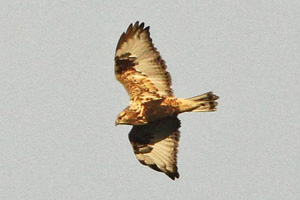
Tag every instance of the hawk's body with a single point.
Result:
(153, 109)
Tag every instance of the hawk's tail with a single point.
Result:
(207, 102)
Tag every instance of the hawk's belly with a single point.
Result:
(150, 111)
(158, 109)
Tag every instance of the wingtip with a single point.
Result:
(173, 176)
(138, 25)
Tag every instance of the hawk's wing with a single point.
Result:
(155, 145)
(139, 67)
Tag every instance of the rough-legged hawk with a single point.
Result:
(152, 109)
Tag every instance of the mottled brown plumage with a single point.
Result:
(152, 109)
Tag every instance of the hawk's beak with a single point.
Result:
(116, 123)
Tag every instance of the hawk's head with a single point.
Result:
(130, 117)
(122, 118)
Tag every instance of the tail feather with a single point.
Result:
(206, 102)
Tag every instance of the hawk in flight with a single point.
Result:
(152, 109)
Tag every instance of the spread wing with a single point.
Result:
(155, 145)
(139, 67)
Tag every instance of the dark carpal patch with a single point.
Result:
(124, 62)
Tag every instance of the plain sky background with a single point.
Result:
(59, 99)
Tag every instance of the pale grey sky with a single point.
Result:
(59, 99)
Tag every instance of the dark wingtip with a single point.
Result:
(132, 28)
(141, 26)
(173, 175)
(212, 96)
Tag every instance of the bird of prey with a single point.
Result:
(152, 109)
